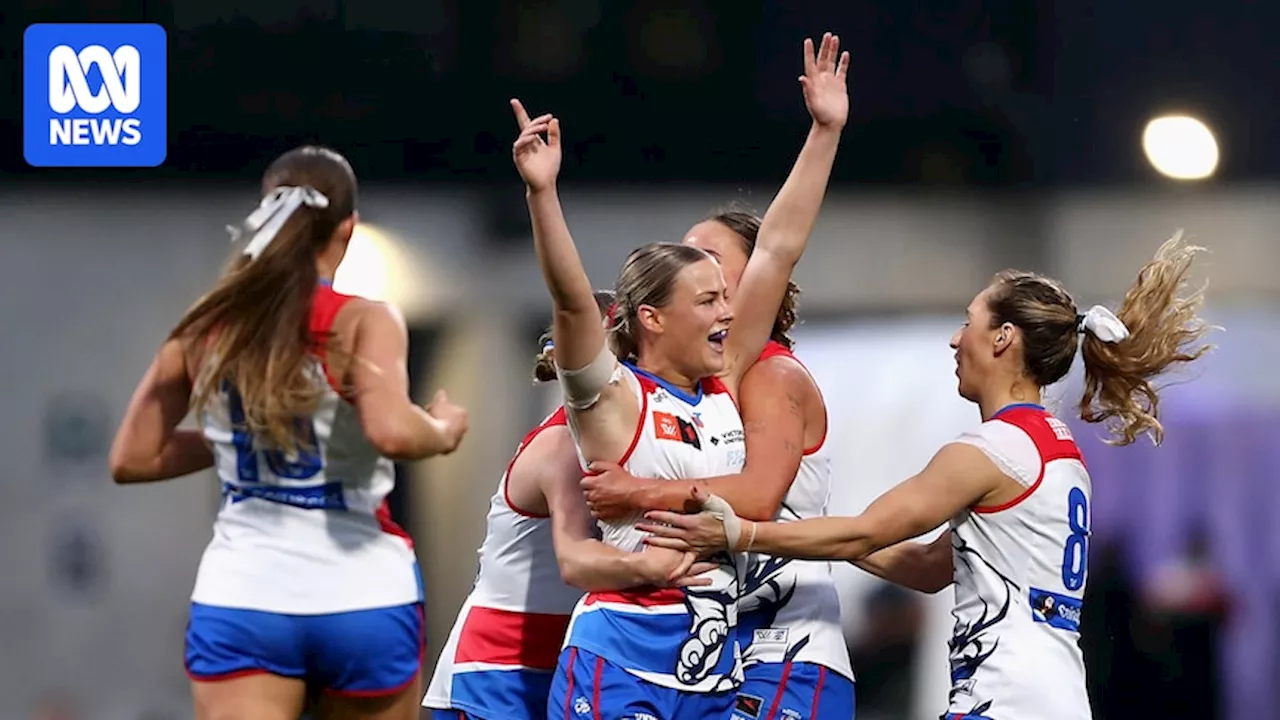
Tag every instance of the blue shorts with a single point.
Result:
(796, 691)
(499, 695)
(366, 653)
(588, 687)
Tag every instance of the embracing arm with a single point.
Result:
(787, 223)
(148, 446)
(926, 567)
(585, 562)
(958, 477)
(771, 401)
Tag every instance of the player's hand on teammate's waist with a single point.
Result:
(655, 568)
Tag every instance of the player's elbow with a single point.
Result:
(396, 438)
(127, 468)
(392, 445)
(575, 571)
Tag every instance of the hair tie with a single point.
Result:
(548, 346)
(1103, 324)
(272, 213)
(611, 314)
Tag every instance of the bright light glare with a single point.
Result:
(1180, 147)
(365, 270)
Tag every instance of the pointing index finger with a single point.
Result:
(522, 117)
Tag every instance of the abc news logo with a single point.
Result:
(69, 90)
(94, 95)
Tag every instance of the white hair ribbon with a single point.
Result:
(272, 213)
(1103, 324)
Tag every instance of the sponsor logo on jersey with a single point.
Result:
(1058, 611)
(670, 427)
(749, 706)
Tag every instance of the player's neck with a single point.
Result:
(1014, 393)
(668, 373)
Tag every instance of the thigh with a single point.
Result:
(800, 691)
(256, 696)
(366, 655)
(400, 705)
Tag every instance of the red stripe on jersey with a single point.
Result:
(325, 306)
(643, 597)
(557, 419)
(505, 637)
(1052, 439)
(389, 526)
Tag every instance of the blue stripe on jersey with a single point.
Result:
(1017, 406)
(679, 393)
(314, 497)
(656, 643)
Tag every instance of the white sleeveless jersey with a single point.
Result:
(308, 534)
(1020, 576)
(790, 610)
(681, 639)
(513, 622)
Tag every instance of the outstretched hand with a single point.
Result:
(825, 82)
(714, 529)
(537, 160)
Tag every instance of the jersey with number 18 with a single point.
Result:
(1020, 575)
(307, 533)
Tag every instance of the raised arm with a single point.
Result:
(958, 477)
(773, 400)
(603, 412)
(789, 220)
(586, 562)
(577, 327)
(148, 446)
(378, 370)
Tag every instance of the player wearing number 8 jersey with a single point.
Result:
(303, 401)
(1015, 491)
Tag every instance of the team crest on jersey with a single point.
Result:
(670, 427)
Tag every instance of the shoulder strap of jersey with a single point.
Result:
(325, 305)
(1051, 436)
(774, 349)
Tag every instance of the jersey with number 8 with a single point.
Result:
(1020, 572)
(307, 533)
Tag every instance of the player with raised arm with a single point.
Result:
(794, 653)
(653, 400)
